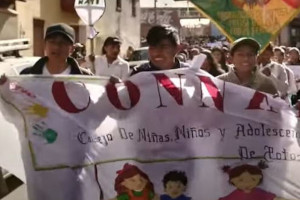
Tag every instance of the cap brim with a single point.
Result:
(248, 42)
(116, 42)
(60, 32)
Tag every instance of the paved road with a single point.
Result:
(15, 186)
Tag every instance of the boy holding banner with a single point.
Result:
(163, 41)
(245, 72)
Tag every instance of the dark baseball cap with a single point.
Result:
(62, 29)
(247, 41)
(112, 40)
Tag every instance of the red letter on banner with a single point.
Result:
(256, 101)
(61, 97)
(174, 91)
(213, 92)
(133, 91)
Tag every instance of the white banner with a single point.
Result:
(160, 135)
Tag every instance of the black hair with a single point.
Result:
(215, 68)
(223, 58)
(175, 176)
(161, 32)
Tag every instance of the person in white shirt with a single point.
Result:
(279, 56)
(273, 70)
(110, 63)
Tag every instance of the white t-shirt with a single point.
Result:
(67, 71)
(119, 68)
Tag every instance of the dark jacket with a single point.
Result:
(37, 68)
(146, 67)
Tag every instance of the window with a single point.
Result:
(133, 8)
(119, 6)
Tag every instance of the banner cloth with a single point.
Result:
(176, 134)
(260, 19)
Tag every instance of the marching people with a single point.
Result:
(273, 70)
(110, 63)
(163, 41)
(210, 65)
(129, 53)
(279, 56)
(79, 53)
(220, 57)
(59, 40)
(293, 56)
(245, 71)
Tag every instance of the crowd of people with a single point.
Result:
(244, 63)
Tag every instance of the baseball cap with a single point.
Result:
(294, 49)
(245, 41)
(63, 29)
(112, 40)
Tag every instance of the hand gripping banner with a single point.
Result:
(160, 135)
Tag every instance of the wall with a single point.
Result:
(8, 26)
(120, 24)
(164, 16)
(47, 10)
(130, 29)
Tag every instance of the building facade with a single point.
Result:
(30, 18)
(122, 19)
(290, 35)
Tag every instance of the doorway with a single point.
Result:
(38, 37)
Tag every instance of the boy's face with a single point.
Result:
(113, 50)
(279, 56)
(293, 56)
(163, 54)
(174, 189)
(244, 58)
(58, 48)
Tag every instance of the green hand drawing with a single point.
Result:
(50, 135)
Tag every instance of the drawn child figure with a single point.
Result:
(133, 184)
(175, 183)
(246, 178)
